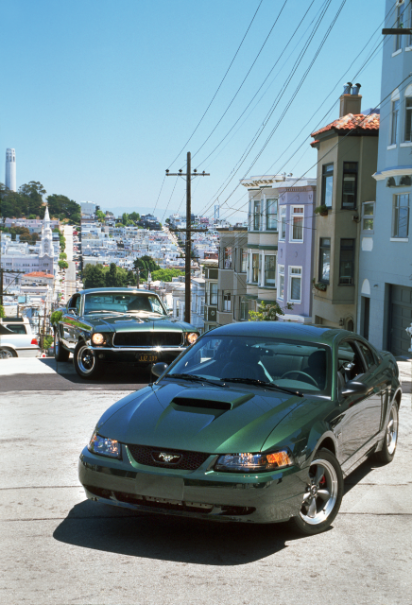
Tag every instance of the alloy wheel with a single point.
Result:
(321, 493)
(392, 430)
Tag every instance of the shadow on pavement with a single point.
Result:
(111, 373)
(105, 528)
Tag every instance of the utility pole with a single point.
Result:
(188, 245)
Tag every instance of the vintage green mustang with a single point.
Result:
(115, 325)
(256, 422)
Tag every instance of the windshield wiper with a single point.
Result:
(262, 383)
(106, 311)
(194, 378)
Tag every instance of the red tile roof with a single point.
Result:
(38, 274)
(352, 121)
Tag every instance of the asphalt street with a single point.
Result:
(56, 547)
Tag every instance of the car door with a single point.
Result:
(377, 384)
(70, 321)
(355, 410)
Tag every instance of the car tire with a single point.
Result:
(85, 363)
(60, 353)
(6, 353)
(323, 496)
(387, 453)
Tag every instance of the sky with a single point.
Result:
(100, 97)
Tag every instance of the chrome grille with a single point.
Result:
(148, 339)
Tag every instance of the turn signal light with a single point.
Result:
(34, 341)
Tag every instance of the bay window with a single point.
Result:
(295, 284)
(271, 215)
(270, 270)
(296, 227)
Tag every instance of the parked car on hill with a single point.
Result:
(257, 422)
(109, 325)
(17, 339)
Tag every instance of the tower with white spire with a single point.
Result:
(46, 244)
(11, 169)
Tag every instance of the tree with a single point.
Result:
(93, 276)
(266, 312)
(117, 277)
(63, 264)
(100, 216)
(145, 264)
(63, 256)
(134, 216)
(2, 313)
(119, 225)
(62, 206)
(166, 275)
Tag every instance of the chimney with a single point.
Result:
(350, 101)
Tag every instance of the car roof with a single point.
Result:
(279, 329)
(112, 290)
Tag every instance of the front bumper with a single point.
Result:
(135, 354)
(204, 494)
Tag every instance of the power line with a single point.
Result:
(220, 85)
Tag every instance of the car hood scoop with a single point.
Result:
(197, 418)
(211, 400)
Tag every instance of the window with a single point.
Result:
(400, 22)
(368, 212)
(394, 121)
(227, 258)
(400, 221)
(243, 261)
(349, 185)
(227, 301)
(296, 219)
(367, 355)
(271, 215)
(408, 118)
(213, 294)
(324, 260)
(281, 281)
(327, 185)
(243, 309)
(282, 230)
(255, 268)
(347, 261)
(256, 215)
(295, 284)
(270, 270)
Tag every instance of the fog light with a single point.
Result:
(101, 356)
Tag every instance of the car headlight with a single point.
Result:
(104, 446)
(254, 462)
(192, 337)
(98, 339)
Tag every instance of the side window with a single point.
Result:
(70, 304)
(77, 304)
(367, 354)
(350, 364)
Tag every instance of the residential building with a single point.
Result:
(347, 158)
(385, 287)
(211, 293)
(232, 304)
(296, 219)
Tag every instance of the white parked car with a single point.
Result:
(17, 339)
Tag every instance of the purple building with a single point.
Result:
(295, 249)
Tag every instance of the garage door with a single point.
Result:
(400, 309)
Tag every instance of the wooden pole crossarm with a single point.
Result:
(397, 31)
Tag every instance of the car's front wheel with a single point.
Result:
(6, 353)
(85, 363)
(388, 450)
(60, 353)
(323, 495)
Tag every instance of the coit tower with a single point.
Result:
(11, 169)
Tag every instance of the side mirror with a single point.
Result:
(354, 388)
(159, 368)
(72, 311)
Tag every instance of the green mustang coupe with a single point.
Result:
(256, 422)
(115, 325)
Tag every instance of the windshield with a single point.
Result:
(123, 303)
(294, 365)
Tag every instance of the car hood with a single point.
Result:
(174, 415)
(135, 323)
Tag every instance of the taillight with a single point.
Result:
(34, 341)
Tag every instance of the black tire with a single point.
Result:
(86, 364)
(323, 496)
(7, 353)
(60, 353)
(387, 453)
